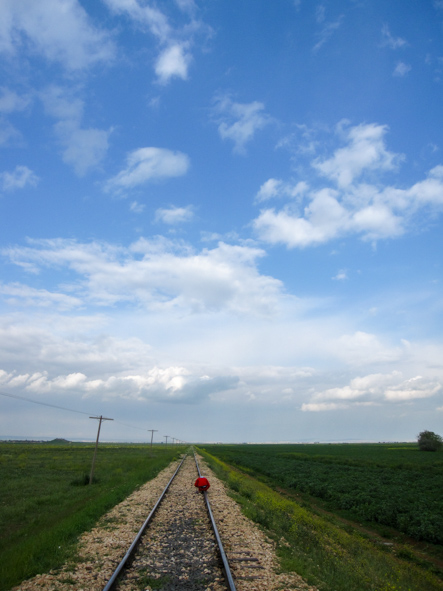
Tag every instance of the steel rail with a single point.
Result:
(223, 556)
(134, 544)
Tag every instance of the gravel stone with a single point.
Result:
(178, 550)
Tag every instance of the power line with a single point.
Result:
(43, 403)
(130, 426)
(15, 396)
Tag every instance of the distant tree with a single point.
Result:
(429, 441)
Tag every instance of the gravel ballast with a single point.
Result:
(178, 550)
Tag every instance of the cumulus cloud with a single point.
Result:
(353, 206)
(60, 31)
(19, 178)
(277, 188)
(174, 215)
(148, 164)
(374, 389)
(402, 69)
(169, 384)
(365, 151)
(173, 62)
(83, 149)
(239, 122)
(175, 43)
(324, 218)
(412, 389)
(159, 274)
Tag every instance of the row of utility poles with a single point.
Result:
(100, 419)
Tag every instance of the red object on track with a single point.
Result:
(202, 484)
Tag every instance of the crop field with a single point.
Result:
(391, 484)
(332, 553)
(45, 502)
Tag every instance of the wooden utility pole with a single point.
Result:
(152, 434)
(100, 419)
(166, 438)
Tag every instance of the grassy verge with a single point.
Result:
(317, 548)
(45, 504)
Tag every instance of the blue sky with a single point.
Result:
(221, 220)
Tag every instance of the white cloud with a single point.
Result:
(391, 41)
(374, 389)
(327, 28)
(366, 151)
(278, 188)
(240, 121)
(173, 62)
(324, 218)
(83, 149)
(10, 101)
(8, 133)
(321, 406)
(159, 274)
(174, 215)
(59, 30)
(169, 384)
(320, 13)
(136, 207)
(147, 164)
(354, 207)
(19, 178)
(23, 295)
(362, 347)
(341, 275)
(412, 389)
(175, 44)
(144, 14)
(62, 103)
(402, 69)
(186, 5)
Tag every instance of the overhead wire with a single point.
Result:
(43, 403)
(63, 408)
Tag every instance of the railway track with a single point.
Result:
(178, 546)
(177, 550)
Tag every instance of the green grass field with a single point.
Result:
(45, 505)
(282, 488)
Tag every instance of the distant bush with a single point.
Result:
(429, 441)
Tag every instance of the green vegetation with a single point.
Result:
(389, 484)
(429, 441)
(45, 502)
(319, 548)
